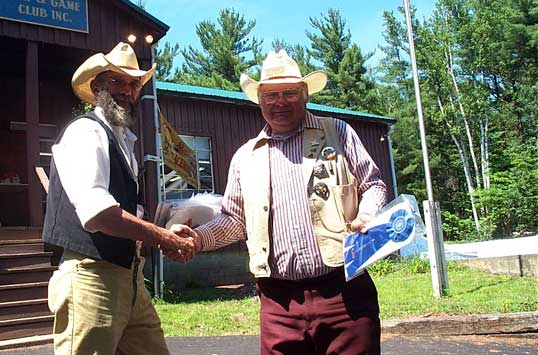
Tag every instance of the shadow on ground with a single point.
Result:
(228, 292)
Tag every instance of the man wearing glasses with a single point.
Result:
(293, 193)
(97, 295)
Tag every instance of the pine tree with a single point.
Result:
(227, 51)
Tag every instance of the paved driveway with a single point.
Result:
(391, 345)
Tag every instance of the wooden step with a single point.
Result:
(24, 260)
(23, 292)
(24, 309)
(18, 233)
(21, 246)
(26, 275)
(23, 327)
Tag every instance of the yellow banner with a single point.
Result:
(177, 154)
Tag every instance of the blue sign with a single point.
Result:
(65, 14)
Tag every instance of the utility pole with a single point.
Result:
(432, 213)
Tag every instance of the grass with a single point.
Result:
(209, 312)
(404, 290)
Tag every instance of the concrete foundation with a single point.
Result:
(518, 265)
(208, 269)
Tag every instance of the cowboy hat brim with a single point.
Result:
(315, 82)
(96, 65)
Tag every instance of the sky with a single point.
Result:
(284, 19)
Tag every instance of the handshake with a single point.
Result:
(179, 243)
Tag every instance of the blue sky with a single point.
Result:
(286, 19)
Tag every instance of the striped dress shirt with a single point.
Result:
(294, 252)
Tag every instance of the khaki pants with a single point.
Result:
(103, 309)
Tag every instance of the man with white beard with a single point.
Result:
(97, 294)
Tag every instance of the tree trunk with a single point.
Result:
(465, 163)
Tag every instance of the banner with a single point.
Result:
(65, 14)
(176, 153)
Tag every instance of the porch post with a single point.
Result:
(35, 208)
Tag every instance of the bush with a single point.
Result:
(383, 267)
(511, 203)
(456, 228)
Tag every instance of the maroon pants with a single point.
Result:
(325, 315)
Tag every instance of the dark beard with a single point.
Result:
(115, 113)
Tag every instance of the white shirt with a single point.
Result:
(83, 164)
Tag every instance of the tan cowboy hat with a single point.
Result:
(121, 59)
(279, 68)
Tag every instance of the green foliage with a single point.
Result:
(382, 267)
(225, 48)
(410, 266)
(331, 41)
(512, 200)
(349, 85)
(164, 58)
(456, 228)
(478, 63)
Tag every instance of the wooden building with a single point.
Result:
(42, 43)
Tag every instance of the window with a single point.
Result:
(175, 186)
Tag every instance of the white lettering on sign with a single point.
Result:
(32, 11)
(66, 4)
(61, 16)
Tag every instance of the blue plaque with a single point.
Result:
(394, 227)
(65, 14)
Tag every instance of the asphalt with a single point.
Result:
(390, 345)
(507, 334)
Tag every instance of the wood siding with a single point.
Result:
(108, 23)
(229, 125)
(43, 95)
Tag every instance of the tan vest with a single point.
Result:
(330, 211)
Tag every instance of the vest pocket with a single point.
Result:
(347, 201)
(328, 213)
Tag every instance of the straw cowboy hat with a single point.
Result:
(279, 68)
(121, 59)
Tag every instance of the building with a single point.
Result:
(42, 43)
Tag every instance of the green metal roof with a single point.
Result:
(237, 96)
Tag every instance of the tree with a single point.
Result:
(477, 63)
(348, 85)
(165, 61)
(227, 51)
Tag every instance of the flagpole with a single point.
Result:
(432, 212)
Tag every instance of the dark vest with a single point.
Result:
(62, 226)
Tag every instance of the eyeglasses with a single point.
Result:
(290, 95)
(120, 82)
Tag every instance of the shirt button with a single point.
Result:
(265, 208)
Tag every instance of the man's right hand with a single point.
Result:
(184, 230)
(175, 247)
